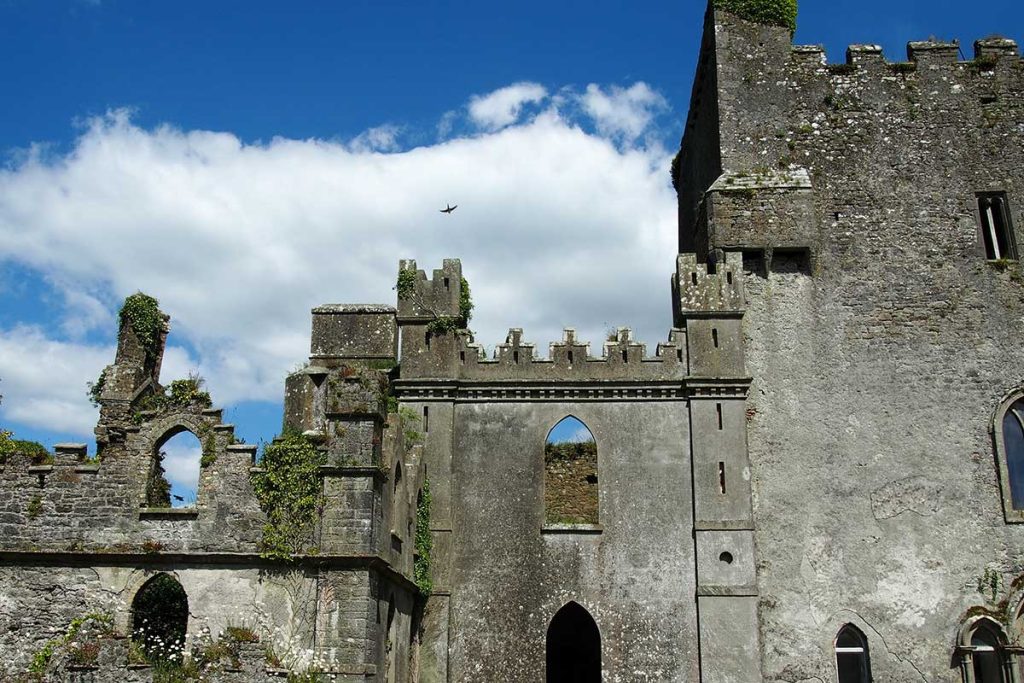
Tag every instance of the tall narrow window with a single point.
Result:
(174, 471)
(996, 226)
(573, 647)
(1008, 429)
(852, 662)
(570, 474)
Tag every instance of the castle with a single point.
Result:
(819, 476)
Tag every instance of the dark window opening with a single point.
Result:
(1013, 444)
(570, 474)
(447, 285)
(693, 278)
(714, 336)
(996, 226)
(515, 357)
(462, 357)
(160, 619)
(426, 338)
(718, 409)
(426, 419)
(852, 661)
(573, 647)
(791, 261)
(570, 358)
(625, 359)
(986, 655)
(721, 478)
(728, 277)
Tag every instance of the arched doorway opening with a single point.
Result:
(573, 647)
(160, 618)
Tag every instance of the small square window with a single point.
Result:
(996, 226)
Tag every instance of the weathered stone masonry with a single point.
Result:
(815, 449)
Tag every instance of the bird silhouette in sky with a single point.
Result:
(180, 499)
(450, 208)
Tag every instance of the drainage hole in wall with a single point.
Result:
(726, 557)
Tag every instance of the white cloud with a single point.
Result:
(555, 226)
(379, 139)
(44, 381)
(623, 113)
(503, 106)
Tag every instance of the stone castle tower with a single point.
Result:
(819, 476)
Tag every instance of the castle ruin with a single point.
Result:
(818, 476)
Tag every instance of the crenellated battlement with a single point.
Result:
(763, 108)
(424, 300)
(700, 291)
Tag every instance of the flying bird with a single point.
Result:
(180, 499)
(450, 208)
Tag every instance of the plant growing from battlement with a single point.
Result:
(209, 455)
(290, 492)
(38, 453)
(465, 303)
(674, 170)
(771, 12)
(423, 542)
(96, 388)
(35, 506)
(180, 393)
(406, 284)
(142, 313)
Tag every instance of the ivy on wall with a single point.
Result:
(142, 312)
(424, 542)
(771, 12)
(289, 491)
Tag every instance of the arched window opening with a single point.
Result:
(160, 619)
(570, 474)
(987, 664)
(1013, 452)
(573, 647)
(984, 657)
(174, 477)
(852, 661)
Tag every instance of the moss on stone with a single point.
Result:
(771, 12)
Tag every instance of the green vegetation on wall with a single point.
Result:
(424, 542)
(142, 312)
(771, 12)
(406, 284)
(290, 492)
(102, 623)
(181, 393)
(8, 446)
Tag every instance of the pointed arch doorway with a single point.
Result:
(573, 647)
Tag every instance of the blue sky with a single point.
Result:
(244, 162)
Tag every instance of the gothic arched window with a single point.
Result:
(983, 656)
(570, 475)
(852, 661)
(1008, 428)
(174, 473)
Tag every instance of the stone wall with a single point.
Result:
(880, 358)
